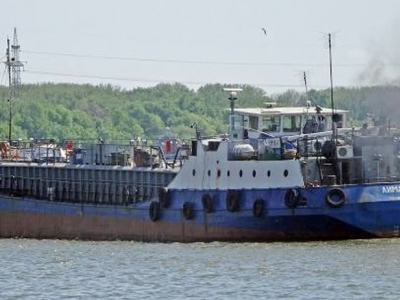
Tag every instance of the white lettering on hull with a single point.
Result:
(391, 189)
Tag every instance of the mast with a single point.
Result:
(233, 130)
(336, 165)
(14, 66)
(17, 65)
(10, 96)
(308, 104)
(331, 79)
(305, 84)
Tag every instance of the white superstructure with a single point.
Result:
(215, 166)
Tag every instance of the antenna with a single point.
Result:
(331, 77)
(308, 104)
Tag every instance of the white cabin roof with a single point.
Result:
(299, 110)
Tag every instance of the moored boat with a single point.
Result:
(310, 184)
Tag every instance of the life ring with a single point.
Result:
(163, 197)
(206, 200)
(335, 197)
(232, 200)
(292, 198)
(187, 210)
(154, 211)
(258, 208)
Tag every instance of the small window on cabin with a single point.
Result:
(291, 123)
(253, 122)
(245, 120)
(271, 124)
(338, 119)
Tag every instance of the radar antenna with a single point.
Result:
(233, 132)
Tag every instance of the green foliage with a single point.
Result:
(62, 111)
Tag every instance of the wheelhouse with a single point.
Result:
(283, 121)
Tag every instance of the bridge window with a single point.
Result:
(271, 124)
(291, 123)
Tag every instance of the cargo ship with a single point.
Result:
(277, 175)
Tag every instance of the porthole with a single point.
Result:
(285, 173)
(254, 173)
(240, 173)
(219, 173)
(194, 172)
(209, 173)
(228, 173)
(269, 173)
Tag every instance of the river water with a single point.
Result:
(52, 269)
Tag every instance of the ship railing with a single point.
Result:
(79, 190)
(312, 144)
(266, 146)
(180, 156)
(21, 151)
(114, 153)
(141, 153)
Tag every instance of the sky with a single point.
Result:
(132, 43)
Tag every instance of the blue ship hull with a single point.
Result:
(225, 188)
(368, 211)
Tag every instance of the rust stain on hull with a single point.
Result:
(30, 225)
(92, 227)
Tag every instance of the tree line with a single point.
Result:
(72, 111)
